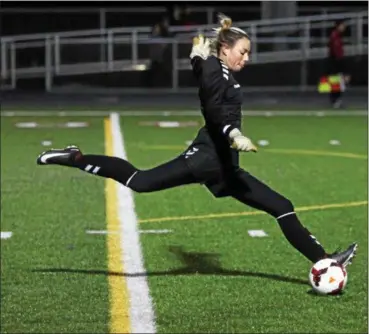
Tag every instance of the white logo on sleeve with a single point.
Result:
(191, 152)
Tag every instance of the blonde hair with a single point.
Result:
(226, 34)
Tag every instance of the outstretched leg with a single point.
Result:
(256, 194)
(168, 175)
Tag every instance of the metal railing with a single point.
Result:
(120, 49)
(248, 25)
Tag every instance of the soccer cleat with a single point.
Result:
(63, 157)
(345, 257)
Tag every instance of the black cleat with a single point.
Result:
(345, 257)
(63, 157)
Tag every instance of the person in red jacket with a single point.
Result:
(337, 61)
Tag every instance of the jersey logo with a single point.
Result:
(191, 152)
(225, 72)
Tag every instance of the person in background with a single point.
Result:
(336, 61)
(158, 67)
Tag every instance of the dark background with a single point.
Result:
(32, 22)
(31, 19)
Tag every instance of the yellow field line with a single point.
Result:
(119, 307)
(313, 152)
(252, 213)
(271, 150)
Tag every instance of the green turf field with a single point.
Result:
(207, 275)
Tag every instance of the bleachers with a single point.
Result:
(54, 55)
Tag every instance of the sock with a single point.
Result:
(300, 238)
(105, 166)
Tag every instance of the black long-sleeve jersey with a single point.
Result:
(221, 98)
(219, 93)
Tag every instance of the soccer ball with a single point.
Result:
(328, 277)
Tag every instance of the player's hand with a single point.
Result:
(240, 142)
(243, 144)
(200, 47)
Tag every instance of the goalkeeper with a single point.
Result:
(213, 157)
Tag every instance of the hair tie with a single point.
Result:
(225, 21)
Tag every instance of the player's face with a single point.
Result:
(238, 55)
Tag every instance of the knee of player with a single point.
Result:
(286, 206)
(139, 187)
(134, 183)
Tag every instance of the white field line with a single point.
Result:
(140, 113)
(141, 308)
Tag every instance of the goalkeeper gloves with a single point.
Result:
(200, 47)
(240, 142)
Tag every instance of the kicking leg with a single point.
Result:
(168, 175)
(256, 194)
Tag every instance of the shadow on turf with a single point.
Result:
(194, 264)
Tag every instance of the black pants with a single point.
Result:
(200, 164)
(244, 187)
(168, 175)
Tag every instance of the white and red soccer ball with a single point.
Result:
(328, 277)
